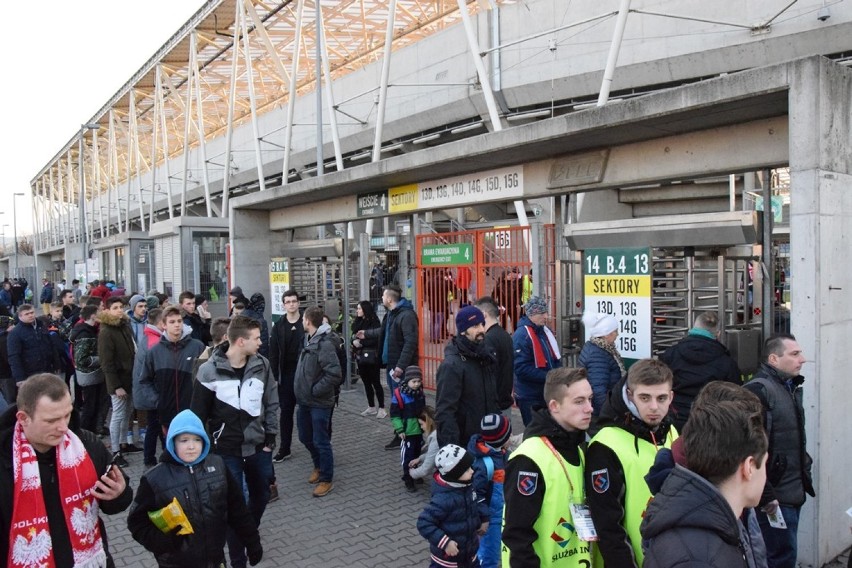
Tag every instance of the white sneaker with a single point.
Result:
(381, 413)
(369, 412)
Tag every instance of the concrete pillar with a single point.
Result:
(820, 218)
(251, 251)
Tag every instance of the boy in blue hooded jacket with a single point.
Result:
(208, 494)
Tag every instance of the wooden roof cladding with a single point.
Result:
(354, 35)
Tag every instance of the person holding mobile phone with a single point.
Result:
(54, 481)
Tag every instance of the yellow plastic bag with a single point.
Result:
(170, 517)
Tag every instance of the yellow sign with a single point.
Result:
(617, 285)
(402, 198)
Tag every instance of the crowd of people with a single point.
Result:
(670, 462)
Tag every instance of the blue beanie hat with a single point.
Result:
(468, 317)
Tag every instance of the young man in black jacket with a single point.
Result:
(635, 424)
(285, 345)
(694, 519)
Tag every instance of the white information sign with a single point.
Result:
(618, 282)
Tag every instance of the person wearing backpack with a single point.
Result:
(318, 374)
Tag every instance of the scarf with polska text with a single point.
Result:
(30, 542)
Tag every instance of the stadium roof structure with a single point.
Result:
(198, 64)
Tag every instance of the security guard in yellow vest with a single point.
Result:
(545, 520)
(635, 424)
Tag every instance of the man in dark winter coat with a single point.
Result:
(42, 433)
(696, 360)
(634, 425)
(168, 367)
(694, 519)
(778, 385)
(499, 341)
(467, 389)
(30, 348)
(398, 339)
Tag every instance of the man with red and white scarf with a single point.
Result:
(536, 353)
(54, 480)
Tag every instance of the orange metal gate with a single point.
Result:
(455, 269)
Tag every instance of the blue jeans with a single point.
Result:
(781, 544)
(255, 471)
(314, 425)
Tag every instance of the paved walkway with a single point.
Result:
(367, 521)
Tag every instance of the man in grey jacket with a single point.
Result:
(318, 375)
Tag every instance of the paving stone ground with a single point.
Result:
(367, 521)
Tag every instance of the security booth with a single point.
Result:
(189, 253)
(126, 258)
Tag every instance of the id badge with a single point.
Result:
(583, 522)
(776, 520)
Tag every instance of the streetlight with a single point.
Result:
(83, 234)
(15, 226)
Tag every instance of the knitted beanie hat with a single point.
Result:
(468, 317)
(496, 430)
(135, 299)
(599, 325)
(535, 305)
(452, 462)
(412, 372)
(152, 301)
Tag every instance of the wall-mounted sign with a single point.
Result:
(618, 282)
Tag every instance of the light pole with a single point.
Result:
(83, 233)
(15, 226)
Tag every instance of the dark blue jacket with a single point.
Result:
(5, 298)
(46, 294)
(452, 514)
(31, 351)
(529, 379)
(603, 372)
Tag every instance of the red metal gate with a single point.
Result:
(454, 269)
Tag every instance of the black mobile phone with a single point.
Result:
(110, 464)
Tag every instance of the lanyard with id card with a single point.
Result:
(580, 513)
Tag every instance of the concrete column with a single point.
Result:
(820, 218)
(251, 251)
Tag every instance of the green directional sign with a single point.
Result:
(447, 255)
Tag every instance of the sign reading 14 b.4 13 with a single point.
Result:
(618, 282)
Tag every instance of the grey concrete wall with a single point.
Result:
(251, 250)
(820, 222)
